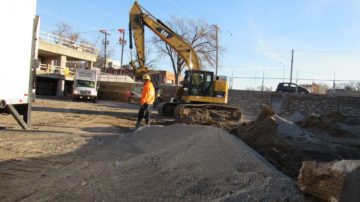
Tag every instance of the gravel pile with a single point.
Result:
(201, 163)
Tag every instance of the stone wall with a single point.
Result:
(250, 101)
(286, 104)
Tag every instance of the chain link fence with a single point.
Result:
(315, 86)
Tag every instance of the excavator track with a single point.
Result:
(166, 108)
(207, 114)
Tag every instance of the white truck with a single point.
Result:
(86, 84)
(18, 42)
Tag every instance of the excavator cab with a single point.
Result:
(198, 83)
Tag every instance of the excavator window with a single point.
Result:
(198, 83)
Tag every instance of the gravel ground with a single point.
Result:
(199, 163)
(89, 152)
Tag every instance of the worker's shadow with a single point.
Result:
(85, 111)
(108, 130)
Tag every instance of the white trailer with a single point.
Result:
(18, 52)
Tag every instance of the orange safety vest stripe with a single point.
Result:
(148, 93)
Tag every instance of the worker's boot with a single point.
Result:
(147, 122)
(138, 124)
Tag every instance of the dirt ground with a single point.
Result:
(67, 143)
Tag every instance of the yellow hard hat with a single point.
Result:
(146, 77)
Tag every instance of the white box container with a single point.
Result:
(17, 51)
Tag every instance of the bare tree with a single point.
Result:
(101, 57)
(62, 29)
(198, 34)
(150, 58)
(350, 86)
(354, 86)
(264, 88)
(323, 88)
(357, 85)
(72, 39)
(65, 30)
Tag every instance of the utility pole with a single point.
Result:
(297, 80)
(334, 85)
(284, 73)
(217, 48)
(255, 82)
(292, 64)
(105, 46)
(262, 83)
(232, 80)
(122, 42)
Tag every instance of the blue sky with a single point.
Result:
(258, 35)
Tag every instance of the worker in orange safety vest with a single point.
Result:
(146, 101)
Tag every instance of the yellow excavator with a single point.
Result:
(202, 98)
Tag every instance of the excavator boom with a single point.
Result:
(139, 18)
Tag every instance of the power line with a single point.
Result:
(97, 31)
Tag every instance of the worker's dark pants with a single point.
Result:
(144, 111)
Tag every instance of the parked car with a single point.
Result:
(291, 88)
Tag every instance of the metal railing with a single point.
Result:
(69, 73)
(52, 69)
(116, 78)
(58, 40)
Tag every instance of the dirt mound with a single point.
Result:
(265, 113)
(325, 123)
(316, 144)
(262, 136)
(196, 115)
(209, 116)
(331, 181)
(202, 163)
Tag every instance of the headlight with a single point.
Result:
(76, 92)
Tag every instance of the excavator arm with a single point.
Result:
(139, 18)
